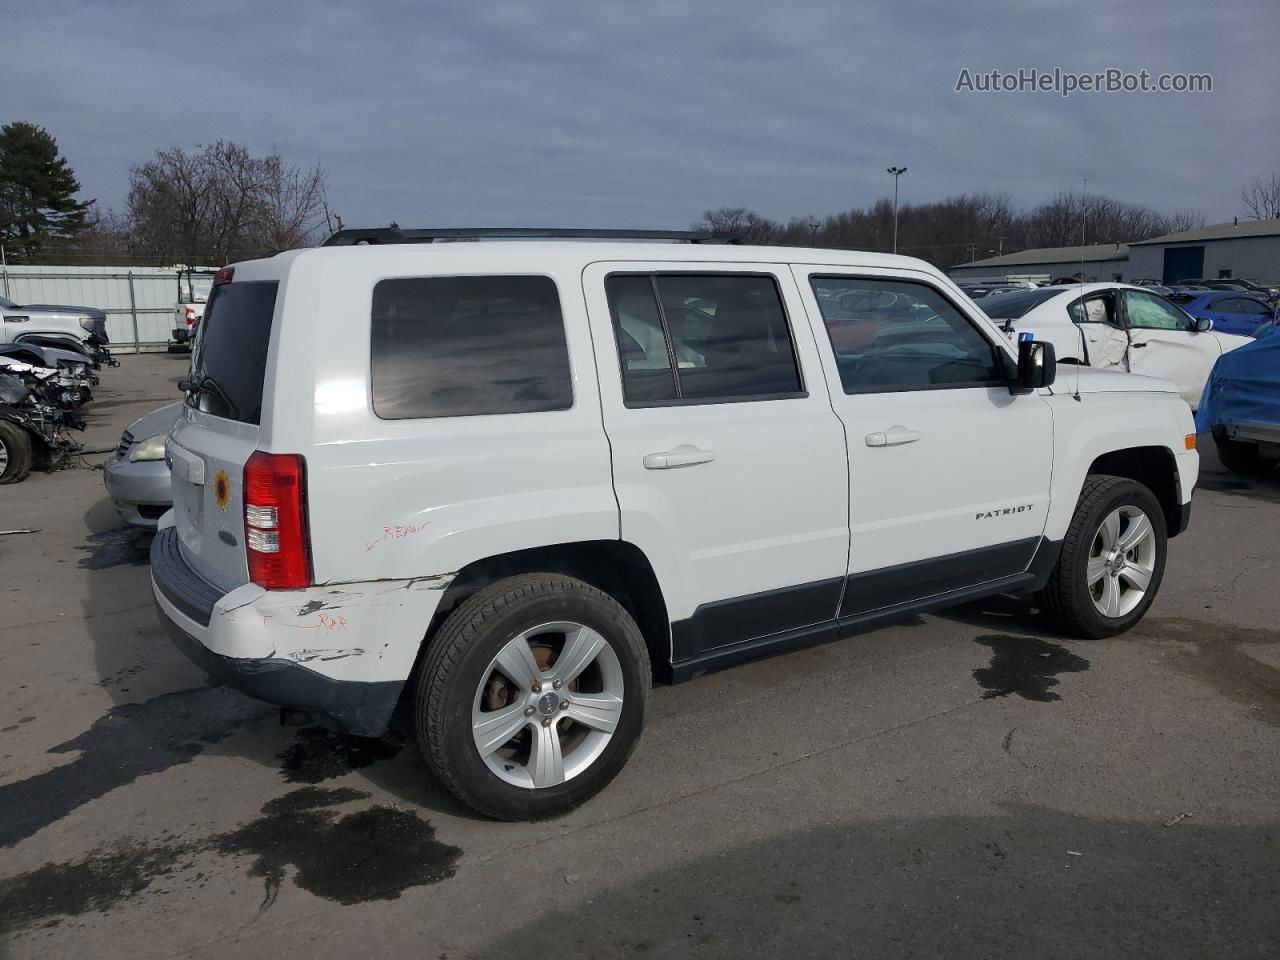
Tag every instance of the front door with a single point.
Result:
(1163, 343)
(728, 462)
(949, 471)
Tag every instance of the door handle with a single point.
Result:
(1137, 346)
(892, 437)
(685, 455)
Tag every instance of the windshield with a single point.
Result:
(7, 304)
(1011, 306)
(229, 360)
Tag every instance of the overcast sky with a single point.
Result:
(644, 114)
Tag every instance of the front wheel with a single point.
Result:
(1112, 560)
(532, 696)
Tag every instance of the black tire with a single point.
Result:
(1066, 598)
(1241, 457)
(17, 446)
(460, 654)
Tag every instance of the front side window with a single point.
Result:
(897, 335)
(1095, 309)
(466, 346)
(1146, 311)
(701, 338)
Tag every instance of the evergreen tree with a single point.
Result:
(37, 192)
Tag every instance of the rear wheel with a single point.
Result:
(15, 453)
(1112, 560)
(532, 696)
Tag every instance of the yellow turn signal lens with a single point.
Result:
(1191, 441)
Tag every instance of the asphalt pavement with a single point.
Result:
(958, 785)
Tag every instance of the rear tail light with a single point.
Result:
(275, 520)
(191, 317)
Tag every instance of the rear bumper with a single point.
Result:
(363, 709)
(198, 617)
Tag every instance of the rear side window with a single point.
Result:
(466, 346)
(1011, 306)
(704, 338)
(230, 356)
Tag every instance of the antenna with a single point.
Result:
(1084, 222)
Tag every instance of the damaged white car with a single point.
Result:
(1116, 326)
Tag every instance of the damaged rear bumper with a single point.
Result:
(309, 649)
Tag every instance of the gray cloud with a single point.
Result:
(604, 114)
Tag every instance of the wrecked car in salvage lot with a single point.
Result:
(1117, 326)
(537, 473)
(1241, 407)
(35, 416)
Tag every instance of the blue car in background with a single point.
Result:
(1232, 311)
(1240, 406)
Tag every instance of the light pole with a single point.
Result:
(896, 172)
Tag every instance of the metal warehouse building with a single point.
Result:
(1248, 249)
(1101, 261)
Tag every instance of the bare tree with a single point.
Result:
(1262, 197)
(739, 223)
(221, 203)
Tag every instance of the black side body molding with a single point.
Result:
(688, 664)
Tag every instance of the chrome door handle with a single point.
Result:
(892, 437)
(685, 455)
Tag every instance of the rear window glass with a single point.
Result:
(465, 346)
(1011, 306)
(230, 360)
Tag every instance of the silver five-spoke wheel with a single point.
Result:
(548, 704)
(1121, 561)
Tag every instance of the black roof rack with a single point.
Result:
(355, 236)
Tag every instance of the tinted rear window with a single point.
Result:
(1011, 306)
(464, 346)
(231, 350)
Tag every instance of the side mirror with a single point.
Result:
(1037, 365)
(1203, 325)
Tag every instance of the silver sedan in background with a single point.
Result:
(136, 475)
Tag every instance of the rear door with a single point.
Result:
(729, 463)
(219, 429)
(1163, 343)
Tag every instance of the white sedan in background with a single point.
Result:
(1119, 326)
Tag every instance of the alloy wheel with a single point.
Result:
(548, 704)
(1121, 561)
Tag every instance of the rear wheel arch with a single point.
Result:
(616, 567)
(1153, 467)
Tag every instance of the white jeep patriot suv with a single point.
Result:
(515, 479)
